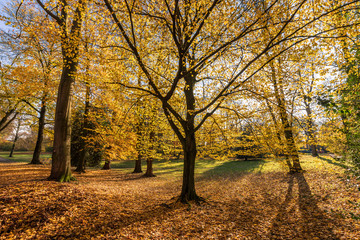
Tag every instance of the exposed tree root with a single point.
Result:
(149, 175)
(194, 198)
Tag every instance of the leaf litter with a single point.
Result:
(117, 205)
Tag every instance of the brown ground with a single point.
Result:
(115, 205)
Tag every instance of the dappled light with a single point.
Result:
(179, 119)
(243, 204)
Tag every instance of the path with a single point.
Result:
(5, 160)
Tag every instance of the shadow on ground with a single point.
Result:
(334, 162)
(231, 168)
(298, 216)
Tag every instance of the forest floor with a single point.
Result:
(244, 200)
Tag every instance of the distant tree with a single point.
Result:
(15, 137)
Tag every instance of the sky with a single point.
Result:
(2, 4)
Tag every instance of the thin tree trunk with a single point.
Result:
(37, 151)
(5, 121)
(81, 164)
(291, 151)
(309, 120)
(310, 131)
(137, 168)
(15, 138)
(278, 152)
(139, 132)
(149, 160)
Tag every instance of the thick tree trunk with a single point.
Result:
(37, 151)
(137, 168)
(60, 168)
(70, 33)
(314, 152)
(80, 168)
(16, 138)
(149, 168)
(106, 165)
(188, 192)
(291, 147)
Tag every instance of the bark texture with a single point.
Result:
(310, 130)
(70, 41)
(60, 168)
(137, 168)
(15, 138)
(188, 192)
(36, 155)
(149, 168)
(81, 164)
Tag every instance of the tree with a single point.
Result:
(307, 91)
(15, 137)
(9, 103)
(68, 17)
(179, 45)
(36, 49)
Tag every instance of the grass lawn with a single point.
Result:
(213, 168)
(244, 200)
(23, 156)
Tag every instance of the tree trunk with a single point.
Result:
(106, 165)
(278, 150)
(60, 168)
(81, 164)
(80, 168)
(16, 138)
(5, 121)
(310, 130)
(137, 168)
(149, 168)
(37, 151)
(70, 34)
(188, 192)
(291, 151)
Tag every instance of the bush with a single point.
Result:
(94, 154)
(49, 149)
(5, 146)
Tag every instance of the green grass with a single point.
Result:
(23, 156)
(208, 167)
(213, 168)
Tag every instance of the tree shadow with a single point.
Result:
(299, 217)
(336, 163)
(233, 168)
